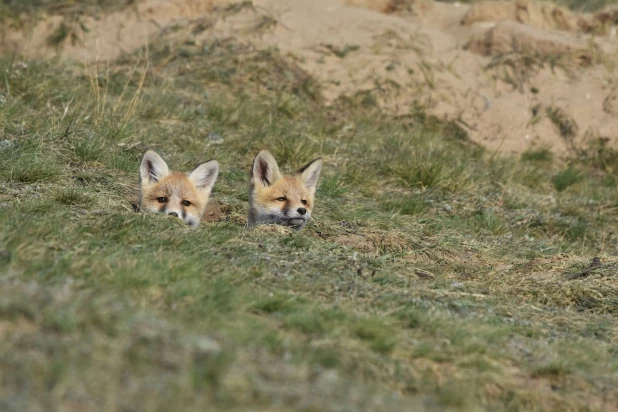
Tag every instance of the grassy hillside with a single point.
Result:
(434, 275)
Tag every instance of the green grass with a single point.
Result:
(577, 5)
(540, 155)
(433, 275)
(568, 177)
(586, 5)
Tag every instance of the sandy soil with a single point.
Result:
(502, 70)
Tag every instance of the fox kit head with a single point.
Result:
(284, 200)
(182, 195)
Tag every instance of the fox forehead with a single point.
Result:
(175, 185)
(288, 186)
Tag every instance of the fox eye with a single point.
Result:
(304, 202)
(186, 203)
(281, 199)
(162, 199)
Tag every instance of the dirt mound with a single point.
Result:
(545, 16)
(500, 70)
(104, 37)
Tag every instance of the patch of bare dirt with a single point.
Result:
(358, 242)
(498, 69)
(214, 212)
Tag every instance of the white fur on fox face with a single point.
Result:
(175, 209)
(286, 217)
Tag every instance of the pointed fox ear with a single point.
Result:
(310, 173)
(205, 175)
(153, 168)
(265, 169)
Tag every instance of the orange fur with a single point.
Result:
(285, 200)
(178, 187)
(184, 195)
(289, 187)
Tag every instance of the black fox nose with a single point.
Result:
(301, 211)
(173, 214)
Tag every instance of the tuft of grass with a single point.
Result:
(486, 220)
(342, 52)
(89, 149)
(566, 124)
(566, 178)
(331, 186)
(405, 205)
(31, 169)
(63, 33)
(552, 370)
(305, 321)
(539, 155)
(379, 336)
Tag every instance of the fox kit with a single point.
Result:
(284, 200)
(182, 195)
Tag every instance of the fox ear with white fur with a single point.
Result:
(265, 169)
(205, 175)
(310, 173)
(153, 168)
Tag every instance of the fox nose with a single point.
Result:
(173, 214)
(301, 211)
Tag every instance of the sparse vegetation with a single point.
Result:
(566, 178)
(432, 276)
(565, 124)
(540, 155)
(578, 5)
(343, 51)
(15, 8)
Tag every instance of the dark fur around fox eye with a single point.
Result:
(162, 199)
(186, 203)
(281, 199)
(304, 202)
